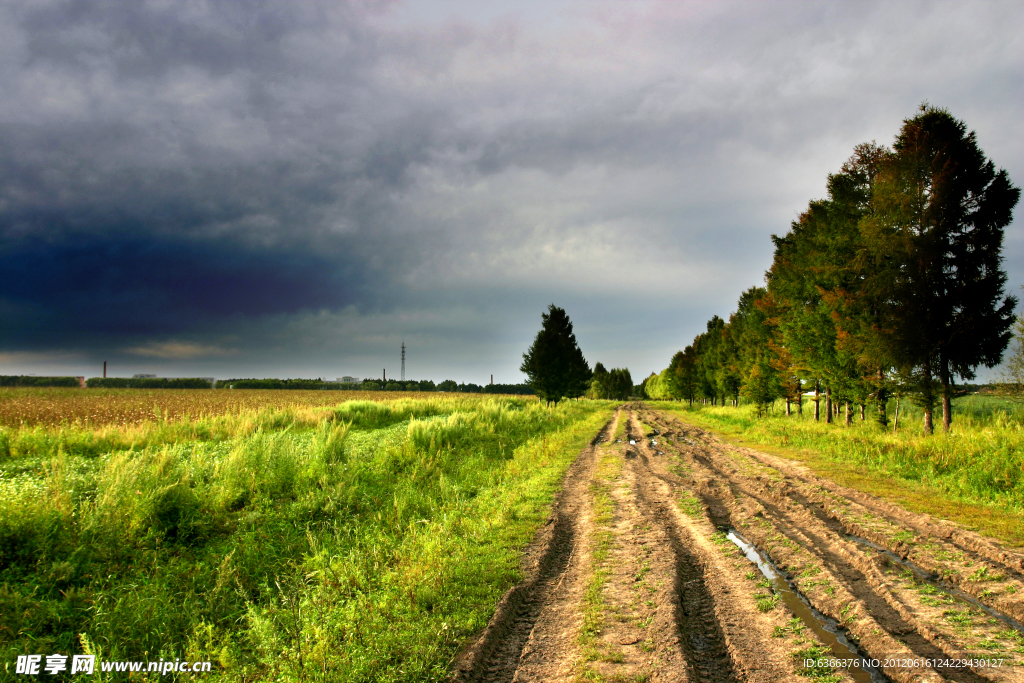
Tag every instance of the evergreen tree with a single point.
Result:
(599, 382)
(940, 211)
(554, 365)
(620, 384)
(708, 347)
(686, 374)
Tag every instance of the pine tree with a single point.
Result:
(686, 374)
(554, 365)
(940, 211)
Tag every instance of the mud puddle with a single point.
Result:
(827, 629)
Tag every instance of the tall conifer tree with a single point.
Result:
(554, 365)
(940, 211)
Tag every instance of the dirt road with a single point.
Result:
(672, 556)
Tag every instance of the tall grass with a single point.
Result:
(78, 439)
(981, 461)
(363, 542)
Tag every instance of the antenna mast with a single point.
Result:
(403, 360)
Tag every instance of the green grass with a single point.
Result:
(974, 475)
(594, 608)
(359, 543)
(620, 428)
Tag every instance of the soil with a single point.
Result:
(633, 577)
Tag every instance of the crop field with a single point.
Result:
(123, 407)
(359, 541)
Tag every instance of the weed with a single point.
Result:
(812, 662)
(982, 573)
(766, 602)
(690, 504)
(959, 618)
(794, 626)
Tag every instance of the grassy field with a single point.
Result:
(362, 541)
(974, 474)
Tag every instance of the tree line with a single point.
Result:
(33, 381)
(318, 384)
(891, 286)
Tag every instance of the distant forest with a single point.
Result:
(890, 286)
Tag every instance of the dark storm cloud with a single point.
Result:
(103, 289)
(317, 180)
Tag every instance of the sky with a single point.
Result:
(269, 189)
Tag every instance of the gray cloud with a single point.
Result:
(305, 183)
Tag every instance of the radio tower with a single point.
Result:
(403, 360)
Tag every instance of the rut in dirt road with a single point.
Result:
(496, 655)
(701, 637)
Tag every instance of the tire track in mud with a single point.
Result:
(854, 507)
(848, 573)
(701, 637)
(949, 557)
(734, 494)
(497, 654)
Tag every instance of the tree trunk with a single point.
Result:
(882, 397)
(849, 413)
(788, 411)
(862, 408)
(800, 401)
(828, 403)
(817, 402)
(896, 418)
(929, 406)
(947, 390)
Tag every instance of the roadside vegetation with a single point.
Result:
(362, 541)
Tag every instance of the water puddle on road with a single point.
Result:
(826, 628)
(932, 579)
